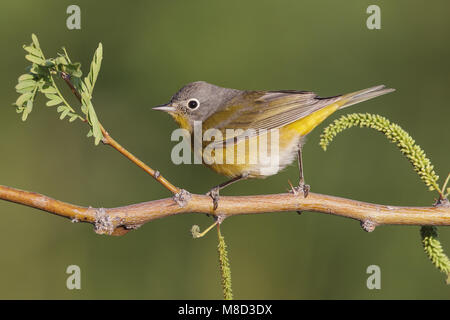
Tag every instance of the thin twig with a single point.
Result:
(108, 140)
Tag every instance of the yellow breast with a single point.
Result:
(289, 138)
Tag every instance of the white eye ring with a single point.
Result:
(193, 104)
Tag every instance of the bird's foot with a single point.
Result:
(214, 194)
(302, 189)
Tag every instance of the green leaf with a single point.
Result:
(77, 73)
(77, 83)
(33, 51)
(25, 84)
(64, 114)
(61, 108)
(24, 116)
(97, 140)
(35, 40)
(66, 54)
(27, 110)
(84, 91)
(73, 69)
(40, 79)
(61, 60)
(24, 97)
(49, 63)
(25, 76)
(34, 59)
(95, 69)
(73, 117)
(88, 84)
(54, 102)
(39, 70)
(25, 90)
(29, 106)
(84, 109)
(49, 90)
(51, 96)
(95, 125)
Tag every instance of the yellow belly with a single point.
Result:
(236, 163)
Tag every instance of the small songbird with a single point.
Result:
(250, 116)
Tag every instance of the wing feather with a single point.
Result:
(253, 111)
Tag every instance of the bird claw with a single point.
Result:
(301, 189)
(214, 194)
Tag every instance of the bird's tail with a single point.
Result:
(363, 95)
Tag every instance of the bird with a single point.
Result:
(250, 116)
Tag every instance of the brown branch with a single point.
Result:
(117, 221)
(107, 139)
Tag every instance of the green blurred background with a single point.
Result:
(153, 48)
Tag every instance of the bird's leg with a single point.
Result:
(302, 187)
(214, 192)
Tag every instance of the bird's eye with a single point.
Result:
(193, 104)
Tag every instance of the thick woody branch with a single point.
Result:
(117, 221)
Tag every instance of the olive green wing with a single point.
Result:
(256, 111)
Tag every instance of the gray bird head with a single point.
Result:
(196, 101)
